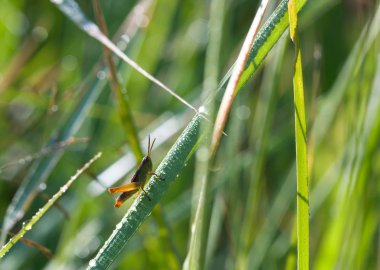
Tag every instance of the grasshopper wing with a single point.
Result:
(134, 186)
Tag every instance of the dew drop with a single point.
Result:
(28, 227)
(40, 32)
(101, 75)
(54, 108)
(202, 109)
(193, 228)
(90, 28)
(243, 112)
(92, 263)
(126, 38)
(42, 186)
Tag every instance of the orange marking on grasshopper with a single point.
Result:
(138, 179)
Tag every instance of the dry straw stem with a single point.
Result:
(28, 226)
(269, 34)
(232, 86)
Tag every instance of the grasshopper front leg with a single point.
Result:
(156, 175)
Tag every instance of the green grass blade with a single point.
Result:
(265, 39)
(199, 223)
(28, 226)
(169, 168)
(301, 149)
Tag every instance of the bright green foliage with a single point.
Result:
(301, 147)
(54, 85)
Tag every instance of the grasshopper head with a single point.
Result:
(147, 163)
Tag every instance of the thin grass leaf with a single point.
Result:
(71, 9)
(122, 102)
(44, 250)
(301, 148)
(169, 168)
(28, 226)
(196, 254)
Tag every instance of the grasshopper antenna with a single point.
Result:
(151, 147)
(148, 144)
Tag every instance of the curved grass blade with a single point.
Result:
(301, 148)
(265, 39)
(169, 168)
(231, 90)
(28, 226)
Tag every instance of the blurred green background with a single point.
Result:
(48, 66)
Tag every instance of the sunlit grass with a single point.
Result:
(238, 210)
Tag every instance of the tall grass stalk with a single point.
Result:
(301, 148)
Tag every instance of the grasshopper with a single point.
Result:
(138, 179)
